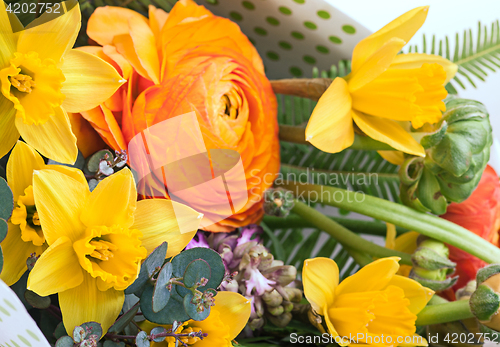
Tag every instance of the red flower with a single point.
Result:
(480, 213)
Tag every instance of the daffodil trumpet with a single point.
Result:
(397, 214)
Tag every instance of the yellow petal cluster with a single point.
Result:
(226, 320)
(382, 90)
(42, 78)
(97, 240)
(371, 303)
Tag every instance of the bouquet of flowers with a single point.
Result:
(157, 189)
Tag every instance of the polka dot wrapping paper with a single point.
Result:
(293, 36)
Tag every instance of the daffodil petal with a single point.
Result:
(22, 162)
(89, 81)
(162, 220)
(403, 27)
(418, 295)
(331, 329)
(145, 47)
(15, 23)
(7, 38)
(393, 157)
(86, 303)
(15, 253)
(112, 202)
(54, 138)
(320, 277)
(110, 21)
(8, 131)
(374, 276)
(56, 270)
(59, 202)
(52, 35)
(415, 60)
(375, 64)
(234, 311)
(390, 236)
(330, 126)
(407, 242)
(388, 131)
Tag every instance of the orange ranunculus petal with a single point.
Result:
(330, 126)
(157, 19)
(388, 131)
(104, 122)
(320, 277)
(112, 202)
(415, 60)
(403, 27)
(376, 64)
(110, 21)
(145, 47)
(56, 270)
(184, 9)
(125, 46)
(374, 276)
(87, 138)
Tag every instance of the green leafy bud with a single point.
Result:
(456, 155)
(278, 202)
(485, 301)
(486, 272)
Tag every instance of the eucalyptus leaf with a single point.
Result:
(93, 161)
(191, 309)
(93, 328)
(141, 340)
(60, 331)
(109, 343)
(124, 320)
(6, 200)
(195, 271)
(174, 311)
(4, 227)
(161, 293)
(154, 260)
(37, 301)
(65, 341)
(79, 334)
(158, 330)
(182, 260)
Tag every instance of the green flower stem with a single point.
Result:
(346, 237)
(426, 224)
(362, 259)
(355, 225)
(296, 134)
(444, 313)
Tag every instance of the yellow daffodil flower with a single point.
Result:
(97, 241)
(372, 302)
(226, 320)
(25, 236)
(406, 243)
(382, 90)
(42, 78)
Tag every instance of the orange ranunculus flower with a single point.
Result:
(480, 213)
(183, 61)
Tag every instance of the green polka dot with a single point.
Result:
(14, 343)
(32, 334)
(23, 340)
(335, 39)
(260, 31)
(297, 72)
(9, 304)
(248, 5)
(323, 14)
(236, 16)
(349, 29)
(322, 49)
(273, 21)
(299, 1)
(273, 55)
(213, 2)
(310, 60)
(310, 25)
(285, 45)
(297, 35)
(285, 10)
(4, 311)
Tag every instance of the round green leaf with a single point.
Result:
(60, 331)
(6, 200)
(141, 340)
(195, 271)
(3, 229)
(161, 294)
(94, 160)
(37, 301)
(93, 328)
(79, 334)
(174, 311)
(191, 309)
(109, 343)
(182, 260)
(158, 330)
(124, 320)
(156, 258)
(65, 341)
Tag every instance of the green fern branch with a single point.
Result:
(475, 57)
